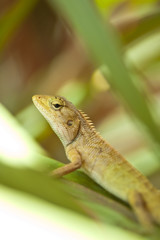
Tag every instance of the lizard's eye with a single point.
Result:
(56, 106)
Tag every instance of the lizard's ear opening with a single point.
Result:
(70, 122)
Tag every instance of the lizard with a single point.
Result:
(86, 149)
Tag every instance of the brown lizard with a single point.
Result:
(86, 149)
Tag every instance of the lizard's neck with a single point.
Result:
(86, 133)
(87, 130)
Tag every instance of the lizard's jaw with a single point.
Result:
(42, 104)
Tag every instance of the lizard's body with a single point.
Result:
(85, 148)
(118, 177)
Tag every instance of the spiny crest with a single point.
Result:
(88, 120)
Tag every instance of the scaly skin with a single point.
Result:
(85, 148)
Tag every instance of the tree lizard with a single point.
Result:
(86, 149)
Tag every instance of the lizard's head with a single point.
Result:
(61, 115)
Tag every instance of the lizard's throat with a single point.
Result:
(66, 136)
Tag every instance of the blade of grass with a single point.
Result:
(104, 47)
(37, 184)
(59, 219)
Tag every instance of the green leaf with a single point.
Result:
(56, 219)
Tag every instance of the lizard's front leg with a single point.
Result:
(76, 163)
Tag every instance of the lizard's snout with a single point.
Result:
(36, 97)
(41, 101)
